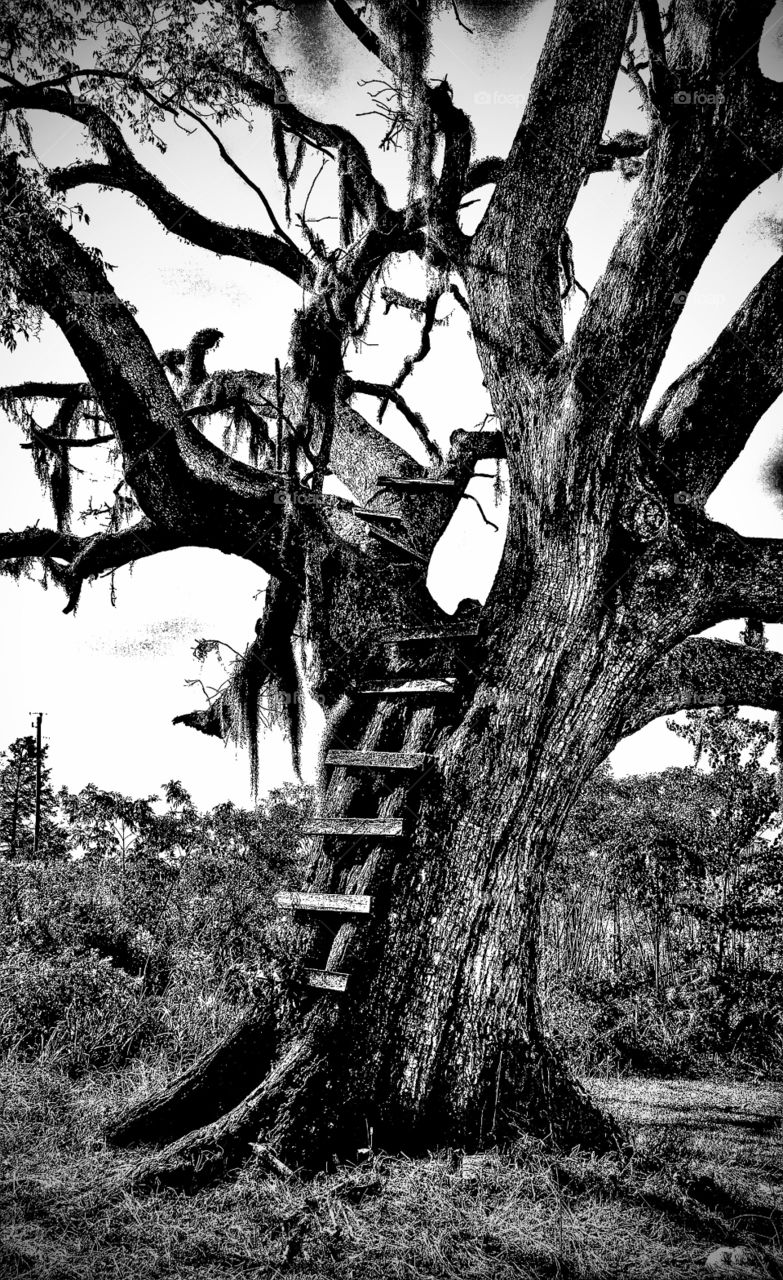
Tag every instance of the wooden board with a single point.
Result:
(379, 827)
(351, 903)
(423, 637)
(408, 688)
(326, 981)
(383, 517)
(415, 482)
(396, 545)
(409, 760)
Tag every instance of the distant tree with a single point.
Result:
(660, 871)
(106, 823)
(17, 798)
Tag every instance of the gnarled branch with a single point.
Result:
(125, 173)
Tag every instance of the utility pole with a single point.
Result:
(37, 836)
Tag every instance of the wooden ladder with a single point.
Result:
(359, 906)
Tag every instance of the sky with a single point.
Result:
(111, 678)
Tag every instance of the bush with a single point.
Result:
(75, 1005)
(616, 1024)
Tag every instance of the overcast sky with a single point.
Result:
(109, 680)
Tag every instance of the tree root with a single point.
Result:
(211, 1087)
(557, 1107)
(214, 1149)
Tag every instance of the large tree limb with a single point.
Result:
(514, 278)
(182, 482)
(705, 673)
(704, 419)
(125, 173)
(744, 576)
(721, 139)
(86, 557)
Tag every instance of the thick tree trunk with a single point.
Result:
(439, 1037)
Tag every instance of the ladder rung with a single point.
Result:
(389, 827)
(403, 547)
(415, 482)
(351, 903)
(408, 687)
(409, 760)
(421, 637)
(325, 980)
(383, 517)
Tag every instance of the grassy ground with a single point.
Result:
(707, 1173)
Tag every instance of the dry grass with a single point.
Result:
(707, 1171)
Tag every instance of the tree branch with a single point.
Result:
(88, 556)
(63, 442)
(704, 673)
(722, 140)
(744, 576)
(660, 78)
(125, 173)
(704, 419)
(513, 281)
(181, 480)
(357, 386)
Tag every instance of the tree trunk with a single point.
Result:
(439, 1037)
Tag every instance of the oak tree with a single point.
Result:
(607, 577)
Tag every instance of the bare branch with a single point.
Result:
(63, 442)
(125, 173)
(86, 557)
(356, 386)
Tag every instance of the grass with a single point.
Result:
(706, 1172)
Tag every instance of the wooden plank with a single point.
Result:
(380, 827)
(409, 688)
(324, 980)
(409, 760)
(383, 517)
(415, 482)
(422, 637)
(402, 547)
(357, 904)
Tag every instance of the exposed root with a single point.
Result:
(214, 1085)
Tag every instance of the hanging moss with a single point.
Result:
(287, 173)
(406, 26)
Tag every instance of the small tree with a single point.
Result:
(105, 823)
(17, 798)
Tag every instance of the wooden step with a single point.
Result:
(408, 688)
(385, 828)
(409, 760)
(402, 547)
(425, 637)
(415, 483)
(325, 980)
(357, 904)
(383, 517)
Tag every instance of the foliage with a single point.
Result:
(665, 913)
(157, 932)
